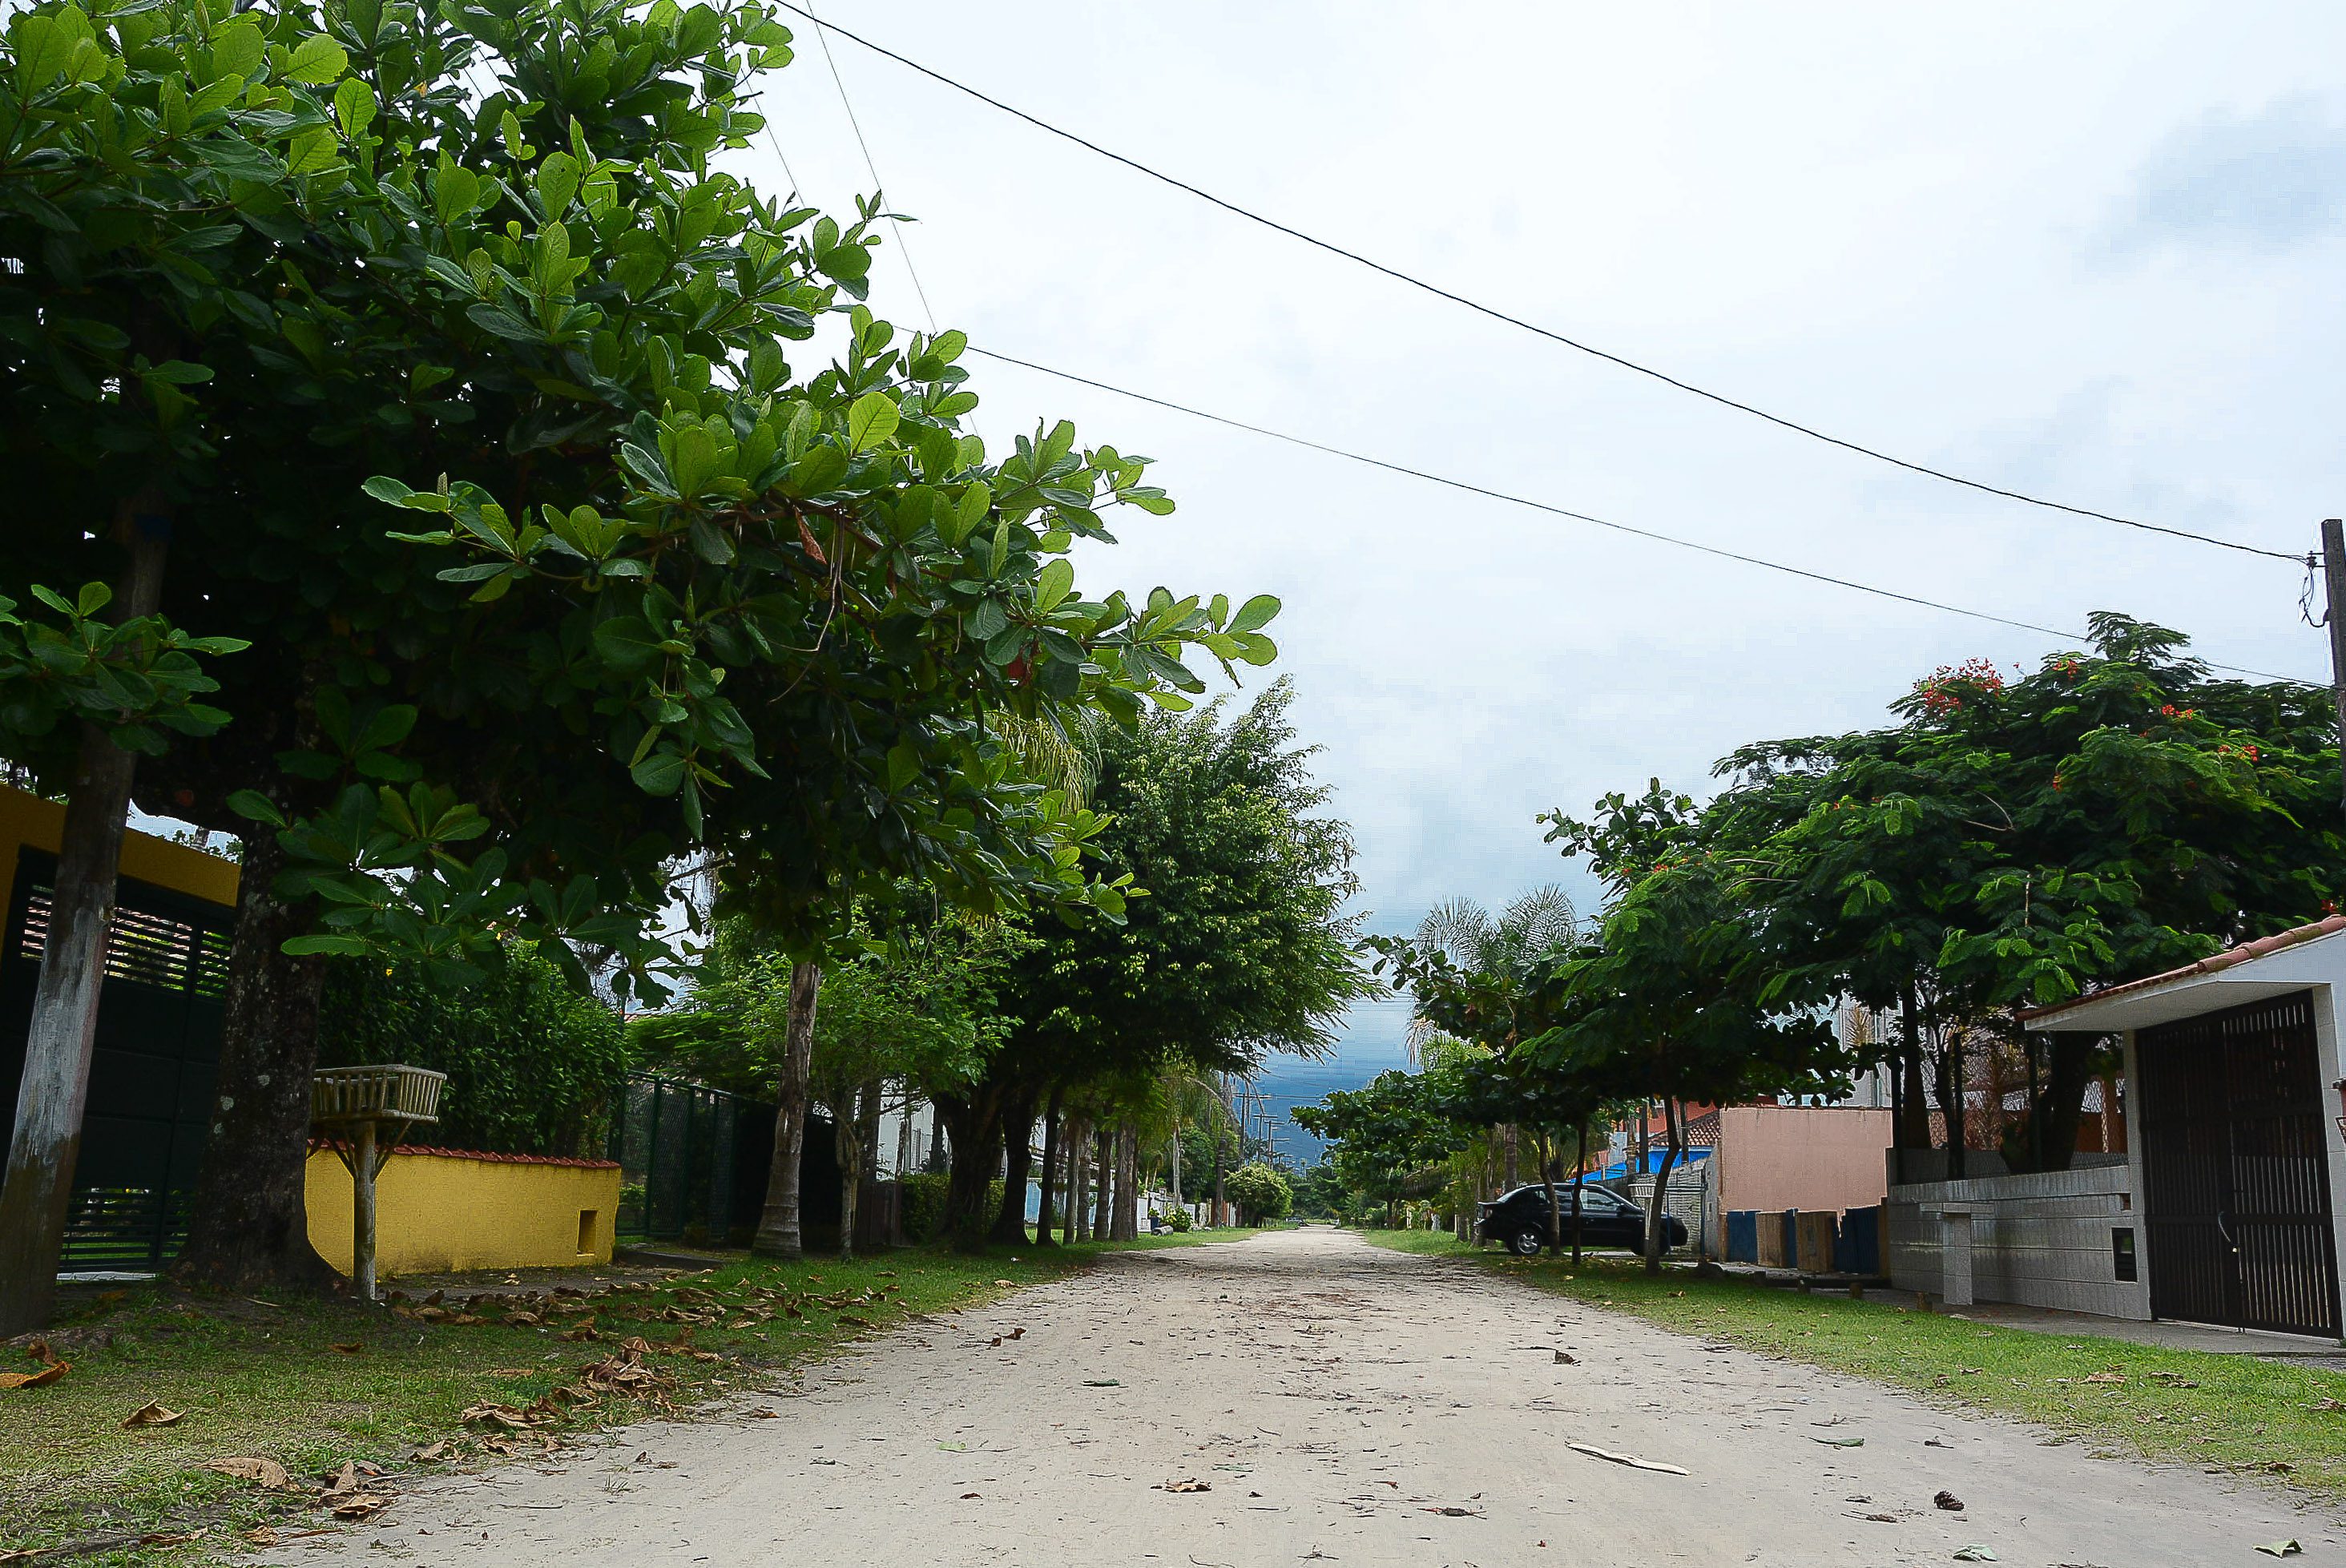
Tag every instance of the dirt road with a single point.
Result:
(1343, 1404)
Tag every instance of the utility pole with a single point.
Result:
(2333, 573)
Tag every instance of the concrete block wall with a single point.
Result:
(2037, 1240)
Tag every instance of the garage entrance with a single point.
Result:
(2235, 1199)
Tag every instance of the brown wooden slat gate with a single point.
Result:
(2236, 1201)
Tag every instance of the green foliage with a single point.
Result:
(1240, 945)
(534, 1066)
(1381, 1133)
(1260, 1191)
(461, 369)
(1178, 1219)
(923, 1200)
(133, 679)
(916, 1005)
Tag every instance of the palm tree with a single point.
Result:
(1506, 948)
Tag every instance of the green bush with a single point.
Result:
(534, 1066)
(1260, 1191)
(923, 1199)
(1178, 1219)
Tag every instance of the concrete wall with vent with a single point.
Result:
(2052, 1238)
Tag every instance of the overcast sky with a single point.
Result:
(2092, 252)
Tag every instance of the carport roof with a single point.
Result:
(2221, 980)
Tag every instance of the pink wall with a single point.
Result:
(1800, 1156)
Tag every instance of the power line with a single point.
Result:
(1498, 315)
(879, 186)
(1659, 538)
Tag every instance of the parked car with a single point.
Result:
(1518, 1220)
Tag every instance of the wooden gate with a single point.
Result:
(2236, 1200)
(150, 1082)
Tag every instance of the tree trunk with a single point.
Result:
(1952, 1104)
(1220, 1210)
(779, 1235)
(63, 1036)
(1173, 1154)
(1914, 1132)
(1078, 1224)
(904, 1139)
(847, 1147)
(1044, 1217)
(974, 1124)
(1127, 1185)
(2070, 1061)
(1102, 1213)
(1018, 1145)
(1673, 1145)
(1507, 1144)
(1554, 1200)
(1580, 1196)
(247, 1224)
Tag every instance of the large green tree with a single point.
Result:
(650, 585)
(2013, 840)
(1239, 947)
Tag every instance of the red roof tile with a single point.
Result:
(2264, 945)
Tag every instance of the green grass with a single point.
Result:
(265, 1380)
(2227, 1413)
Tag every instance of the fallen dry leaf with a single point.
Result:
(360, 1505)
(261, 1535)
(153, 1414)
(49, 1374)
(265, 1472)
(1004, 1282)
(353, 1349)
(1192, 1484)
(163, 1538)
(432, 1454)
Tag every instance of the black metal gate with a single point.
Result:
(150, 1082)
(684, 1154)
(2236, 1170)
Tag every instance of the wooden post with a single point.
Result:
(362, 1164)
(2333, 574)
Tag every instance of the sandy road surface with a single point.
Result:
(1339, 1399)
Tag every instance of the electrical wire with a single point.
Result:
(2078, 638)
(879, 186)
(1499, 315)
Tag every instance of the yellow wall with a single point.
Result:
(437, 1212)
(26, 819)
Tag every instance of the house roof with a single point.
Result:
(2074, 1012)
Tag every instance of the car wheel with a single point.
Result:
(1525, 1240)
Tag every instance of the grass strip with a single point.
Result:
(2229, 1414)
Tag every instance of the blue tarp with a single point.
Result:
(1651, 1165)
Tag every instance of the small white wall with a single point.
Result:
(2037, 1240)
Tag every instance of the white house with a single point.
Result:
(2236, 1143)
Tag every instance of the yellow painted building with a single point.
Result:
(438, 1210)
(27, 821)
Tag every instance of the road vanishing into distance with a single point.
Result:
(1304, 1396)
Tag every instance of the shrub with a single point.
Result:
(1178, 1219)
(534, 1066)
(923, 1199)
(1260, 1190)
